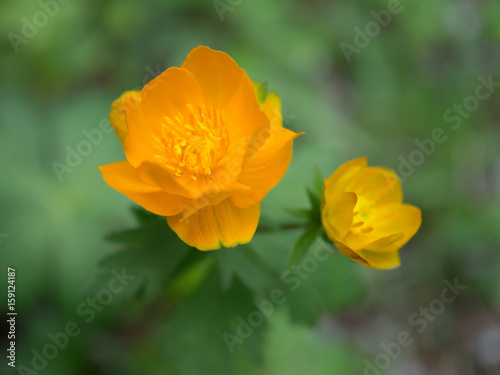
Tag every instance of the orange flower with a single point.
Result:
(202, 149)
(363, 214)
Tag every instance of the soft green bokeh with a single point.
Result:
(395, 91)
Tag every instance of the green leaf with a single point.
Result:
(295, 349)
(315, 213)
(202, 336)
(315, 196)
(243, 263)
(324, 281)
(193, 270)
(302, 245)
(317, 182)
(151, 253)
(313, 199)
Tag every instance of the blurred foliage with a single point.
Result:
(395, 91)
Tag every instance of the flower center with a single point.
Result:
(362, 216)
(195, 142)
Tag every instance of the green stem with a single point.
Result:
(280, 227)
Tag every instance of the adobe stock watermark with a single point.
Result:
(31, 26)
(58, 341)
(455, 116)
(287, 117)
(94, 137)
(363, 37)
(420, 320)
(223, 6)
(75, 156)
(292, 280)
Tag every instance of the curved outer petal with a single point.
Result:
(117, 116)
(267, 168)
(217, 73)
(155, 174)
(207, 190)
(345, 250)
(168, 94)
(344, 173)
(123, 177)
(404, 221)
(227, 86)
(165, 96)
(222, 224)
(373, 257)
(248, 129)
(407, 222)
(337, 215)
(244, 116)
(142, 137)
(375, 184)
(381, 260)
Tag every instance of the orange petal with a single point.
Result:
(406, 221)
(198, 193)
(228, 88)
(381, 260)
(376, 184)
(348, 252)
(267, 168)
(217, 74)
(155, 174)
(337, 214)
(117, 116)
(390, 234)
(169, 94)
(393, 184)
(244, 117)
(142, 138)
(383, 244)
(368, 258)
(344, 174)
(122, 177)
(214, 226)
(210, 199)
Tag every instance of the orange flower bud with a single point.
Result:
(363, 214)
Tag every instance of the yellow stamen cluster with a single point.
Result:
(362, 216)
(194, 142)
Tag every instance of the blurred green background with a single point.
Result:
(397, 86)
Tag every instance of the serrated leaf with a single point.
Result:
(192, 272)
(321, 284)
(295, 349)
(151, 253)
(142, 215)
(313, 199)
(315, 213)
(197, 337)
(244, 264)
